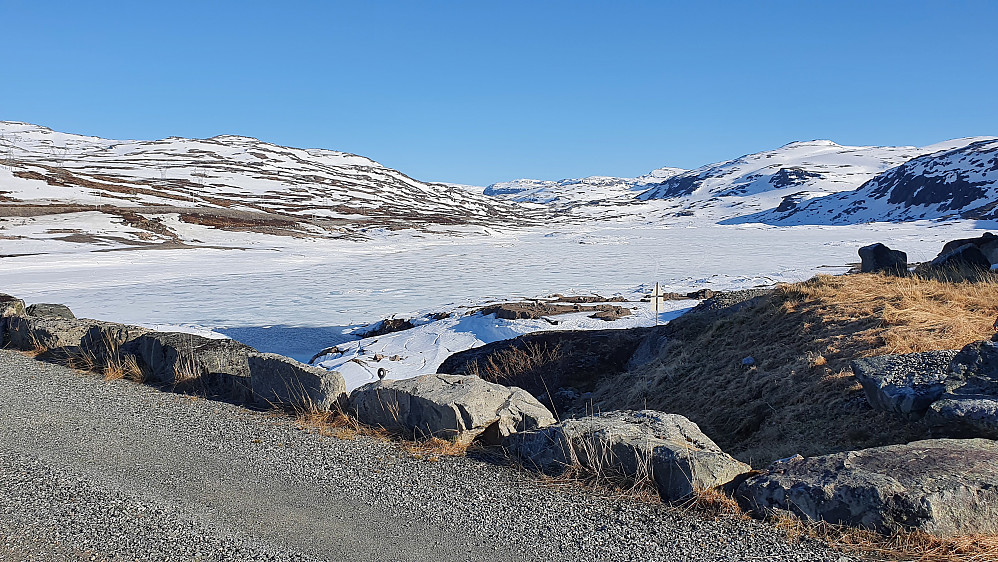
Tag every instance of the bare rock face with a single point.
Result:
(454, 407)
(878, 257)
(46, 310)
(941, 486)
(216, 366)
(987, 243)
(668, 448)
(904, 384)
(280, 381)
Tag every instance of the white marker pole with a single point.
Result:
(656, 297)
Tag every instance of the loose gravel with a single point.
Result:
(94, 470)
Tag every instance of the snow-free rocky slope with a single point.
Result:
(957, 183)
(316, 190)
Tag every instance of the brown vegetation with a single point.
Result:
(799, 396)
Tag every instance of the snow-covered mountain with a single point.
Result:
(956, 183)
(44, 167)
(782, 177)
(594, 196)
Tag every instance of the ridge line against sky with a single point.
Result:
(478, 93)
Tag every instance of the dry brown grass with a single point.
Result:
(336, 424)
(433, 448)
(123, 367)
(515, 363)
(800, 395)
(915, 546)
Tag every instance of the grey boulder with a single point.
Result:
(944, 487)
(46, 310)
(453, 407)
(29, 333)
(904, 384)
(966, 256)
(9, 306)
(878, 257)
(104, 340)
(666, 448)
(279, 381)
(215, 366)
(969, 407)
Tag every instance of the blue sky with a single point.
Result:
(478, 92)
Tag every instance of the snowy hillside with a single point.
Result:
(595, 195)
(958, 183)
(326, 189)
(776, 179)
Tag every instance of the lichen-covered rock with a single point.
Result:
(943, 486)
(667, 448)
(454, 407)
(46, 310)
(904, 384)
(279, 381)
(9, 306)
(878, 257)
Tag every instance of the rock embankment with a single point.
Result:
(220, 368)
(91, 470)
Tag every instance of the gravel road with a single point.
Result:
(94, 470)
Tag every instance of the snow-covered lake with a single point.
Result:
(315, 283)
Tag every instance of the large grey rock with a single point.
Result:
(904, 384)
(279, 381)
(454, 407)
(216, 366)
(969, 407)
(987, 243)
(46, 310)
(9, 306)
(668, 448)
(878, 257)
(29, 333)
(943, 487)
(966, 256)
(104, 340)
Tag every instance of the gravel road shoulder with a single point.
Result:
(94, 470)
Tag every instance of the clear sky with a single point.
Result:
(477, 92)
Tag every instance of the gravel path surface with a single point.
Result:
(92, 470)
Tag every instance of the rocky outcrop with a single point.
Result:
(904, 384)
(217, 366)
(880, 258)
(46, 310)
(453, 407)
(668, 449)
(969, 407)
(279, 381)
(943, 487)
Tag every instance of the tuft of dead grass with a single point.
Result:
(512, 364)
(915, 546)
(800, 396)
